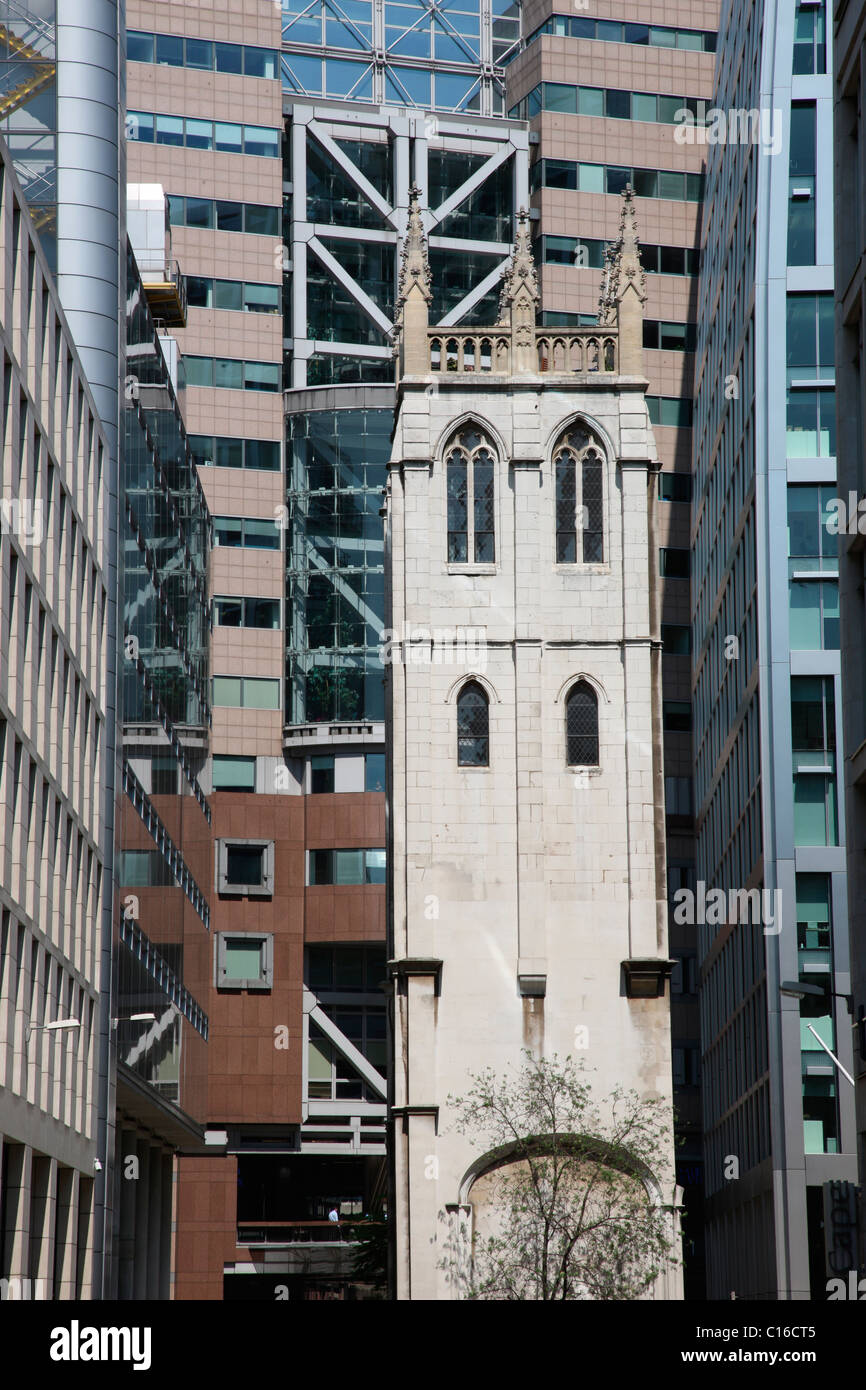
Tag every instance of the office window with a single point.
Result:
(675, 487)
(809, 330)
(262, 613)
(812, 568)
(224, 452)
(676, 639)
(374, 772)
(674, 562)
(810, 42)
(685, 974)
(469, 470)
(801, 185)
(321, 775)
(244, 960)
(473, 727)
(579, 481)
(581, 726)
(344, 867)
(252, 532)
(813, 739)
(810, 423)
(675, 411)
(677, 716)
(163, 775)
(231, 773)
(245, 868)
(246, 692)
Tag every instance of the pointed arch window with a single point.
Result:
(578, 467)
(473, 727)
(470, 461)
(581, 726)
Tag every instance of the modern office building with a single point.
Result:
(526, 832)
(61, 101)
(607, 90)
(778, 1112)
(56, 705)
(849, 37)
(161, 947)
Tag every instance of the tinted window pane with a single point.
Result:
(228, 294)
(139, 47)
(229, 453)
(263, 453)
(199, 212)
(169, 50)
(229, 216)
(228, 137)
(229, 57)
(262, 221)
(199, 53)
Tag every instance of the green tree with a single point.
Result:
(563, 1207)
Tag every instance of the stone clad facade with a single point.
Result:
(526, 893)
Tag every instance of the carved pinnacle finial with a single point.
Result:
(519, 280)
(414, 260)
(622, 263)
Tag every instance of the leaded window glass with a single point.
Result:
(473, 727)
(470, 466)
(581, 726)
(578, 468)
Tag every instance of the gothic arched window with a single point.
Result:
(581, 726)
(578, 468)
(473, 727)
(469, 469)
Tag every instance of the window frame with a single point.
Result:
(590, 451)
(265, 889)
(223, 981)
(471, 456)
(582, 686)
(473, 687)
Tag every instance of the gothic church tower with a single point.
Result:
(526, 804)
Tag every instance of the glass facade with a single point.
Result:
(413, 53)
(336, 469)
(164, 858)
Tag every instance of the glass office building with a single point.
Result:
(767, 694)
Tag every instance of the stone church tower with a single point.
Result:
(526, 843)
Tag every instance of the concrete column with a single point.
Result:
(155, 1232)
(17, 1234)
(142, 1220)
(43, 1203)
(126, 1216)
(66, 1233)
(166, 1221)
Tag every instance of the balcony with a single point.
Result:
(166, 295)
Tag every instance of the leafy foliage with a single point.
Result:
(568, 1212)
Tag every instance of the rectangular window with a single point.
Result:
(246, 692)
(674, 562)
(229, 216)
(228, 137)
(139, 47)
(321, 775)
(244, 960)
(346, 866)
(199, 54)
(163, 775)
(809, 330)
(169, 130)
(169, 50)
(374, 772)
(233, 773)
(245, 867)
(677, 716)
(261, 140)
(675, 487)
(813, 741)
(199, 213)
(140, 126)
(801, 186)
(811, 423)
(676, 639)
(199, 134)
(229, 57)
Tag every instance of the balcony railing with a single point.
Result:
(583, 352)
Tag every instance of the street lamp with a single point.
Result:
(797, 989)
(134, 1018)
(59, 1025)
